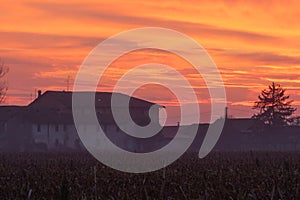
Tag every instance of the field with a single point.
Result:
(218, 176)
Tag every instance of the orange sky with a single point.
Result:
(252, 42)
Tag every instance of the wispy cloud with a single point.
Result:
(252, 43)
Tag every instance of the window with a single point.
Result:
(56, 142)
(66, 138)
(38, 128)
(56, 128)
(65, 127)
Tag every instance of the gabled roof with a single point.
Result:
(56, 107)
(58, 100)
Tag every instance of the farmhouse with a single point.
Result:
(47, 123)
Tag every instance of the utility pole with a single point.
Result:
(68, 83)
(226, 112)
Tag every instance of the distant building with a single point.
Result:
(248, 134)
(242, 134)
(6, 114)
(47, 123)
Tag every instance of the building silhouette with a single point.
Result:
(47, 124)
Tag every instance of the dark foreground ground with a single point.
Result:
(218, 176)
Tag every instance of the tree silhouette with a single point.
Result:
(3, 86)
(274, 106)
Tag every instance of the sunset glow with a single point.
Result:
(253, 43)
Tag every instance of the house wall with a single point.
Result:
(66, 137)
(115, 135)
(56, 136)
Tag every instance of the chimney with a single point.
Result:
(39, 93)
(226, 113)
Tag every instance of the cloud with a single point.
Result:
(92, 14)
(251, 42)
(269, 58)
(21, 41)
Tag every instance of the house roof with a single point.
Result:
(56, 107)
(242, 124)
(64, 99)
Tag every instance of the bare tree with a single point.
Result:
(3, 85)
(274, 106)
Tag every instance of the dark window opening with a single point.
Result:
(56, 142)
(65, 128)
(38, 128)
(56, 128)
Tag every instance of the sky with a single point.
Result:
(252, 43)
